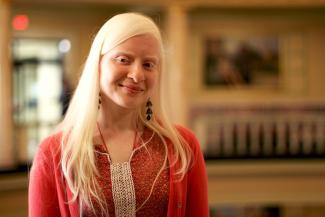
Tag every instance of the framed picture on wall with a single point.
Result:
(241, 60)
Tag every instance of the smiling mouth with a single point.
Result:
(131, 88)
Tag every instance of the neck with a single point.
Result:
(115, 118)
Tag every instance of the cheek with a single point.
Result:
(152, 80)
(107, 74)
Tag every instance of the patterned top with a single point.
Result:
(49, 193)
(127, 185)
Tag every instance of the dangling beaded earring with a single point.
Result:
(149, 111)
(99, 100)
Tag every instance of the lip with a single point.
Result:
(132, 88)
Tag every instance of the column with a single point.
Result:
(6, 126)
(176, 79)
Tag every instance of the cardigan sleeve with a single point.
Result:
(197, 181)
(42, 194)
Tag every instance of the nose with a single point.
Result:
(136, 73)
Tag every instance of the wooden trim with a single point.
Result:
(253, 182)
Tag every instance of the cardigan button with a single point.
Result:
(179, 205)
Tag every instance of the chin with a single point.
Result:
(130, 105)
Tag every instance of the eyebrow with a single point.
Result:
(125, 53)
(153, 58)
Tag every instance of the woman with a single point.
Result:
(116, 153)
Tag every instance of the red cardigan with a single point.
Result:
(48, 189)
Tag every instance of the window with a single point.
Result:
(37, 92)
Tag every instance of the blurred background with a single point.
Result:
(246, 76)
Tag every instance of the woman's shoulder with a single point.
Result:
(189, 136)
(51, 143)
(47, 155)
(185, 132)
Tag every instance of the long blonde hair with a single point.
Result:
(78, 126)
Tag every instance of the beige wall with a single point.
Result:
(316, 66)
(291, 26)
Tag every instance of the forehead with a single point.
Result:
(144, 45)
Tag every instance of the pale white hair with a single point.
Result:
(78, 126)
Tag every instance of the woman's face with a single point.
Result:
(129, 72)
